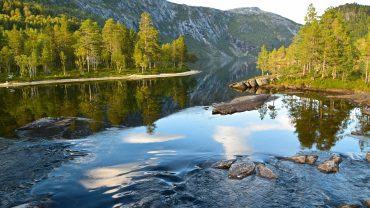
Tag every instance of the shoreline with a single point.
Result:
(266, 83)
(77, 80)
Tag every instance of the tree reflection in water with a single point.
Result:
(118, 103)
(318, 121)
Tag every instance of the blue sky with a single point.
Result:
(292, 9)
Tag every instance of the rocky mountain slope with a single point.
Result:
(209, 32)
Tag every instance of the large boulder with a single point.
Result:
(241, 104)
(225, 164)
(241, 169)
(265, 172)
(56, 128)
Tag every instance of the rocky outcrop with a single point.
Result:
(241, 104)
(253, 83)
(241, 169)
(56, 128)
(331, 165)
(226, 164)
(265, 172)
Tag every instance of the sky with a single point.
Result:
(291, 9)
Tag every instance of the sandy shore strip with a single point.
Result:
(127, 77)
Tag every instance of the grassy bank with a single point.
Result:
(356, 85)
(76, 74)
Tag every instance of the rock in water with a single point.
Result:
(331, 165)
(367, 203)
(253, 83)
(349, 206)
(240, 86)
(241, 104)
(328, 166)
(265, 172)
(262, 81)
(56, 128)
(298, 159)
(226, 164)
(242, 169)
(336, 159)
(311, 159)
(368, 156)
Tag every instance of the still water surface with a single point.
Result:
(155, 132)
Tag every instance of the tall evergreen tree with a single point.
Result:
(147, 44)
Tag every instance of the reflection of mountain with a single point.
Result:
(212, 84)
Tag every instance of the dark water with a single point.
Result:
(154, 139)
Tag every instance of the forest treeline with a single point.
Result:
(34, 42)
(334, 46)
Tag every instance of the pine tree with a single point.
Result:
(363, 46)
(262, 62)
(88, 47)
(108, 33)
(148, 43)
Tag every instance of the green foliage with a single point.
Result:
(35, 41)
(325, 48)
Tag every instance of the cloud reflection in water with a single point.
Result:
(235, 139)
(143, 138)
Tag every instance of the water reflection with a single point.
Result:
(235, 140)
(319, 121)
(118, 103)
(145, 138)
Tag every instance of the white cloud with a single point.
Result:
(292, 9)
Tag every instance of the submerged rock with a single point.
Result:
(241, 104)
(56, 128)
(265, 172)
(368, 156)
(241, 169)
(331, 165)
(367, 203)
(349, 206)
(226, 164)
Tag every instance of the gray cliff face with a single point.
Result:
(209, 32)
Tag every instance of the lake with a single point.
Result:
(153, 142)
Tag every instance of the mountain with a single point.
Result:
(209, 32)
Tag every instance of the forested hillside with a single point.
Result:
(209, 33)
(37, 41)
(334, 46)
